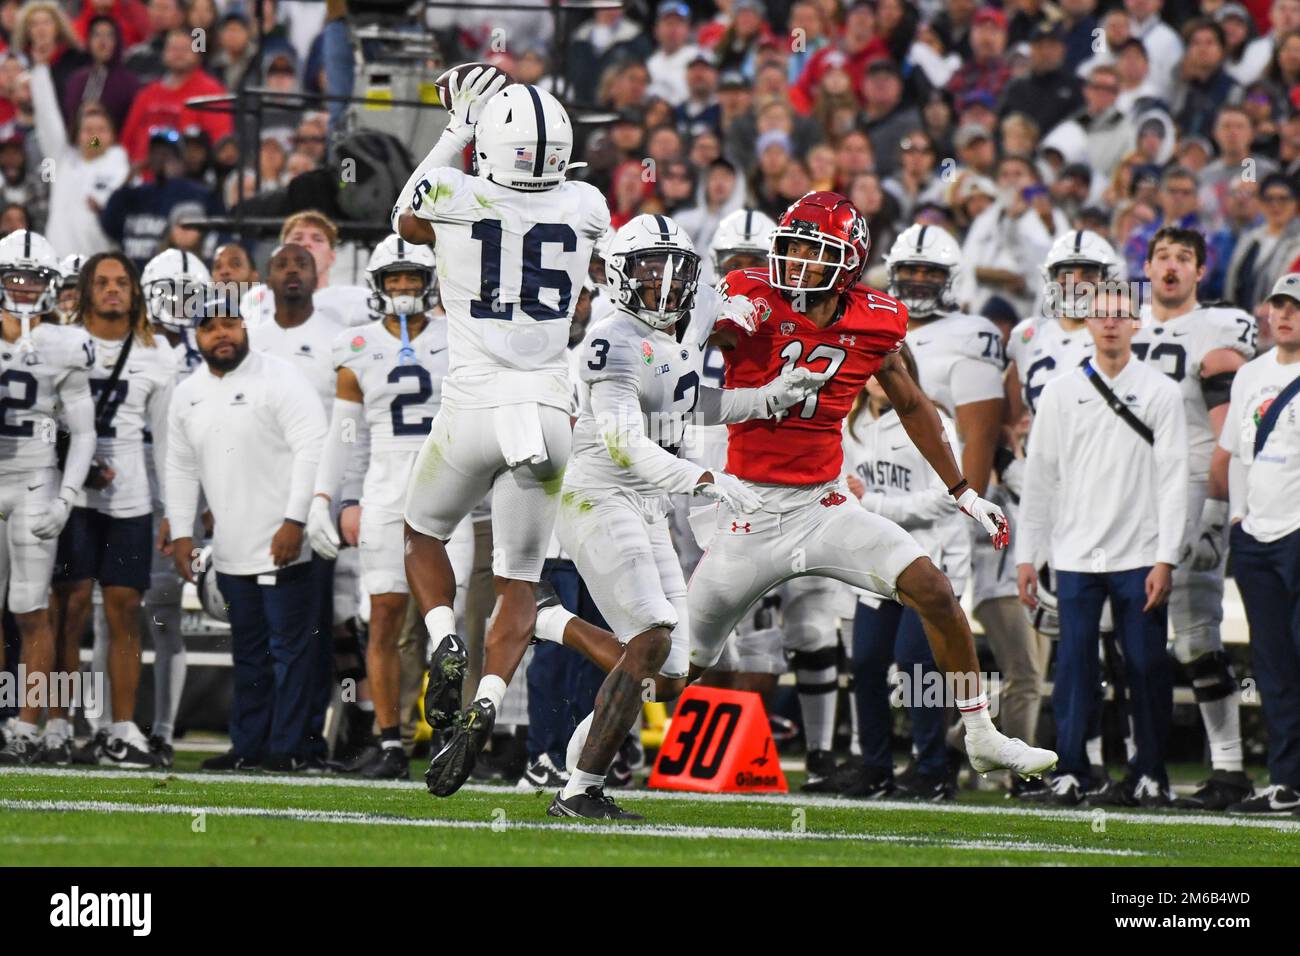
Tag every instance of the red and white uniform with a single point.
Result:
(809, 523)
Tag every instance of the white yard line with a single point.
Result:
(1291, 825)
(503, 825)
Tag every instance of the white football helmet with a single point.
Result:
(1081, 248)
(175, 283)
(210, 597)
(924, 245)
(395, 254)
(70, 268)
(745, 231)
(1045, 618)
(523, 139)
(652, 260)
(29, 272)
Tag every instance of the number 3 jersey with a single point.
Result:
(1178, 347)
(650, 385)
(30, 383)
(805, 447)
(136, 405)
(510, 268)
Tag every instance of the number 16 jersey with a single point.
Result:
(510, 268)
(806, 447)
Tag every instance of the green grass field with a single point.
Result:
(92, 817)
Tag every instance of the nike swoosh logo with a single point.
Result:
(919, 344)
(704, 345)
(33, 487)
(897, 447)
(1179, 334)
(1085, 401)
(196, 401)
(436, 351)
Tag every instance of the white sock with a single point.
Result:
(577, 742)
(493, 688)
(1093, 746)
(1222, 719)
(121, 730)
(440, 621)
(580, 781)
(818, 709)
(975, 714)
(23, 729)
(58, 727)
(395, 744)
(551, 622)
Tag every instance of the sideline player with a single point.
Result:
(819, 319)
(513, 245)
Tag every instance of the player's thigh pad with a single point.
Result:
(30, 560)
(1196, 613)
(452, 471)
(810, 613)
(382, 545)
(612, 546)
(853, 545)
(525, 500)
(347, 585)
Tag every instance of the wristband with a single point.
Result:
(296, 522)
(958, 487)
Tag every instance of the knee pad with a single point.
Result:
(347, 647)
(1192, 644)
(1212, 677)
(828, 658)
(760, 652)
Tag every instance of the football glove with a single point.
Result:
(730, 491)
(469, 94)
(791, 387)
(988, 514)
(321, 530)
(738, 310)
(1210, 543)
(52, 522)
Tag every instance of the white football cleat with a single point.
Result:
(993, 750)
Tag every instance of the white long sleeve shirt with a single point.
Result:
(252, 440)
(1097, 497)
(1264, 489)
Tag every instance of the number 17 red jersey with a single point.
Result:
(804, 448)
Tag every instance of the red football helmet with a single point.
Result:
(828, 219)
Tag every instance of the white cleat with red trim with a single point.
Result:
(992, 750)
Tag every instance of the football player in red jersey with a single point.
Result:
(816, 316)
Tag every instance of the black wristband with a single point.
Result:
(958, 487)
(295, 521)
(348, 503)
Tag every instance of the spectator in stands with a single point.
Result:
(13, 216)
(1020, 135)
(1176, 205)
(1260, 435)
(163, 103)
(673, 52)
(1238, 34)
(808, 33)
(1028, 15)
(952, 26)
(736, 48)
(235, 50)
(196, 153)
(853, 156)
(1163, 46)
(886, 118)
(1283, 18)
(136, 216)
(1241, 213)
(1099, 132)
(1116, 30)
(130, 16)
(43, 34)
(700, 109)
(1204, 86)
(1080, 23)
(90, 164)
(21, 182)
(987, 70)
(857, 46)
(255, 471)
(1135, 86)
(975, 150)
(722, 192)
(1283, 73)
(201, 19)
(312, 137)
(1233, 135)
(1264, 253)
(1049, 93)
(608, 37)
(105, 80)
(147, 59)
(881, 212)
(915, 181)
(625, 86)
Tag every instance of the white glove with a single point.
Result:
(321, 532)
(730, 491)
(987, 514)
(1207, 551)
(791, 387)
(468, 95)
(52, 522)
(739, 310)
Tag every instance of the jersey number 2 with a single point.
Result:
(400, 425)
(533, 276)
(10, 379)
(835, 358)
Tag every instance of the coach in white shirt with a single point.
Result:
(1104, 504)
(1262, 434)
(249, 430)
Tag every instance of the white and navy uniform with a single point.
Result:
(109, 536)
(510, 267)
(960, 359)
(637, 385)
(1043, 349)
(344, 305)
(1177, 348)
(401, 400)
(34, 386)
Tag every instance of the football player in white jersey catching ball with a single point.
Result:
(513, 245)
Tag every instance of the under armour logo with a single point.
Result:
(737, 527)
(833, 499)
(848, 340)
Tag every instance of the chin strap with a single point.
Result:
(405, 354)
(193, 357)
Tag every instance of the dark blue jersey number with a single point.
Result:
(104, 423)
(1165, 349)
(535, 277)
(12, 379)
(399, 403)
(602, 354)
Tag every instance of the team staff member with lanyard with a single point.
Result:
(1262, 434)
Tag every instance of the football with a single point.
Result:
(444, 90)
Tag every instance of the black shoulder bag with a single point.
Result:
(1117, 406)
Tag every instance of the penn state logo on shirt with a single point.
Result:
(305, 349)
(685, 355)
(239, 399)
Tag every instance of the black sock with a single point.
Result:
(390, 737)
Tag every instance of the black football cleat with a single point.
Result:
(389, 764)
(447, 666)
(821, 768)
(1222, 790)
(591, 804)
(1114, 793)
(230, 762)
(92, 750)
(163, 751)
(863, 783)
(452, 765)
(912, 784)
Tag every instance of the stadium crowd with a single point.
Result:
(1150, 126)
